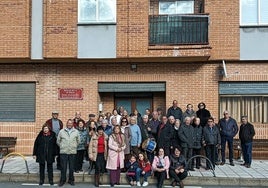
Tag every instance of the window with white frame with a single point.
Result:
(96, 11)
(176, 7)
(253, 12)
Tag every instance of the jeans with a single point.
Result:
(187, 152)
(247, 152)
(67, 159)
(229, 140)
(139, 174)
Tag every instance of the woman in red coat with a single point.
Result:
(143, 170)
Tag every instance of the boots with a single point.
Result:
(97, 180)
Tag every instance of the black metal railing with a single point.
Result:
(178, 29)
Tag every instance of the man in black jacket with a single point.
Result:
(246, 134)
(175, 111)
(228, 130)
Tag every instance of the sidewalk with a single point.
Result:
(14, 170)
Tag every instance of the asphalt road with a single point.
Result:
(85, 185)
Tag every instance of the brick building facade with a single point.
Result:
(191, 72)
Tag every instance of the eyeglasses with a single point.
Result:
(124, 121)
(210, 121)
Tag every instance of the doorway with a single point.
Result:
(132, 103)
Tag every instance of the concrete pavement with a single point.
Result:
(14, 170)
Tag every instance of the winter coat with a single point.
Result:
(188, 113)
(211, 137)
(113, 154)
(203, 114)
(127, 135)
(197, 136)
(145, 134)
(164, 136)
(186, 134)
(45, 148)
(177, 112)
(228, 128)
(68, 141)
(177, 162)
(154, 125)
(93, 147)
(132, 167)
(145, 166)
(246, 133)
(83, 138)
(49, 123)
(156, 163)
(175, 139)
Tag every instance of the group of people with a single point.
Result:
(155, 144)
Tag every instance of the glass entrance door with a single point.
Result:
(130, 104)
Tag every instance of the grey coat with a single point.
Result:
(186, 135)
(127, 134)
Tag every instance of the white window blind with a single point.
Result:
(96, 11)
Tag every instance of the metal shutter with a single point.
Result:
(17, 102)
(243, 88)
(131, 87)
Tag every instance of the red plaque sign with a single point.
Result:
(70, 94)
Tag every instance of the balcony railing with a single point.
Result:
(178, 29)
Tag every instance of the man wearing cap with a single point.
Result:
(55, 124)
(91, 118)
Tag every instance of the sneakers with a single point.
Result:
(138, 184)
(145, 184)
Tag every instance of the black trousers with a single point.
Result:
(161, 176)
(79, 160)
(49, 172)
(197, 160)
(67, 159)
(210, 153)
(100, 164)
(178, 177)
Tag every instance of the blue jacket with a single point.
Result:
(83, 138)
(228, 128)
(136, 135)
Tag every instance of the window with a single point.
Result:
(253, 12)
(176, 7)
(255, 107)
(96, 11)
(17, 102)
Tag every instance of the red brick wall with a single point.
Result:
(223, 29)
(60, 28)
(187, 83)
(14, 28)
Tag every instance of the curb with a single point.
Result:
(190, 180)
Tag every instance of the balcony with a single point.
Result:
(180, 29)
